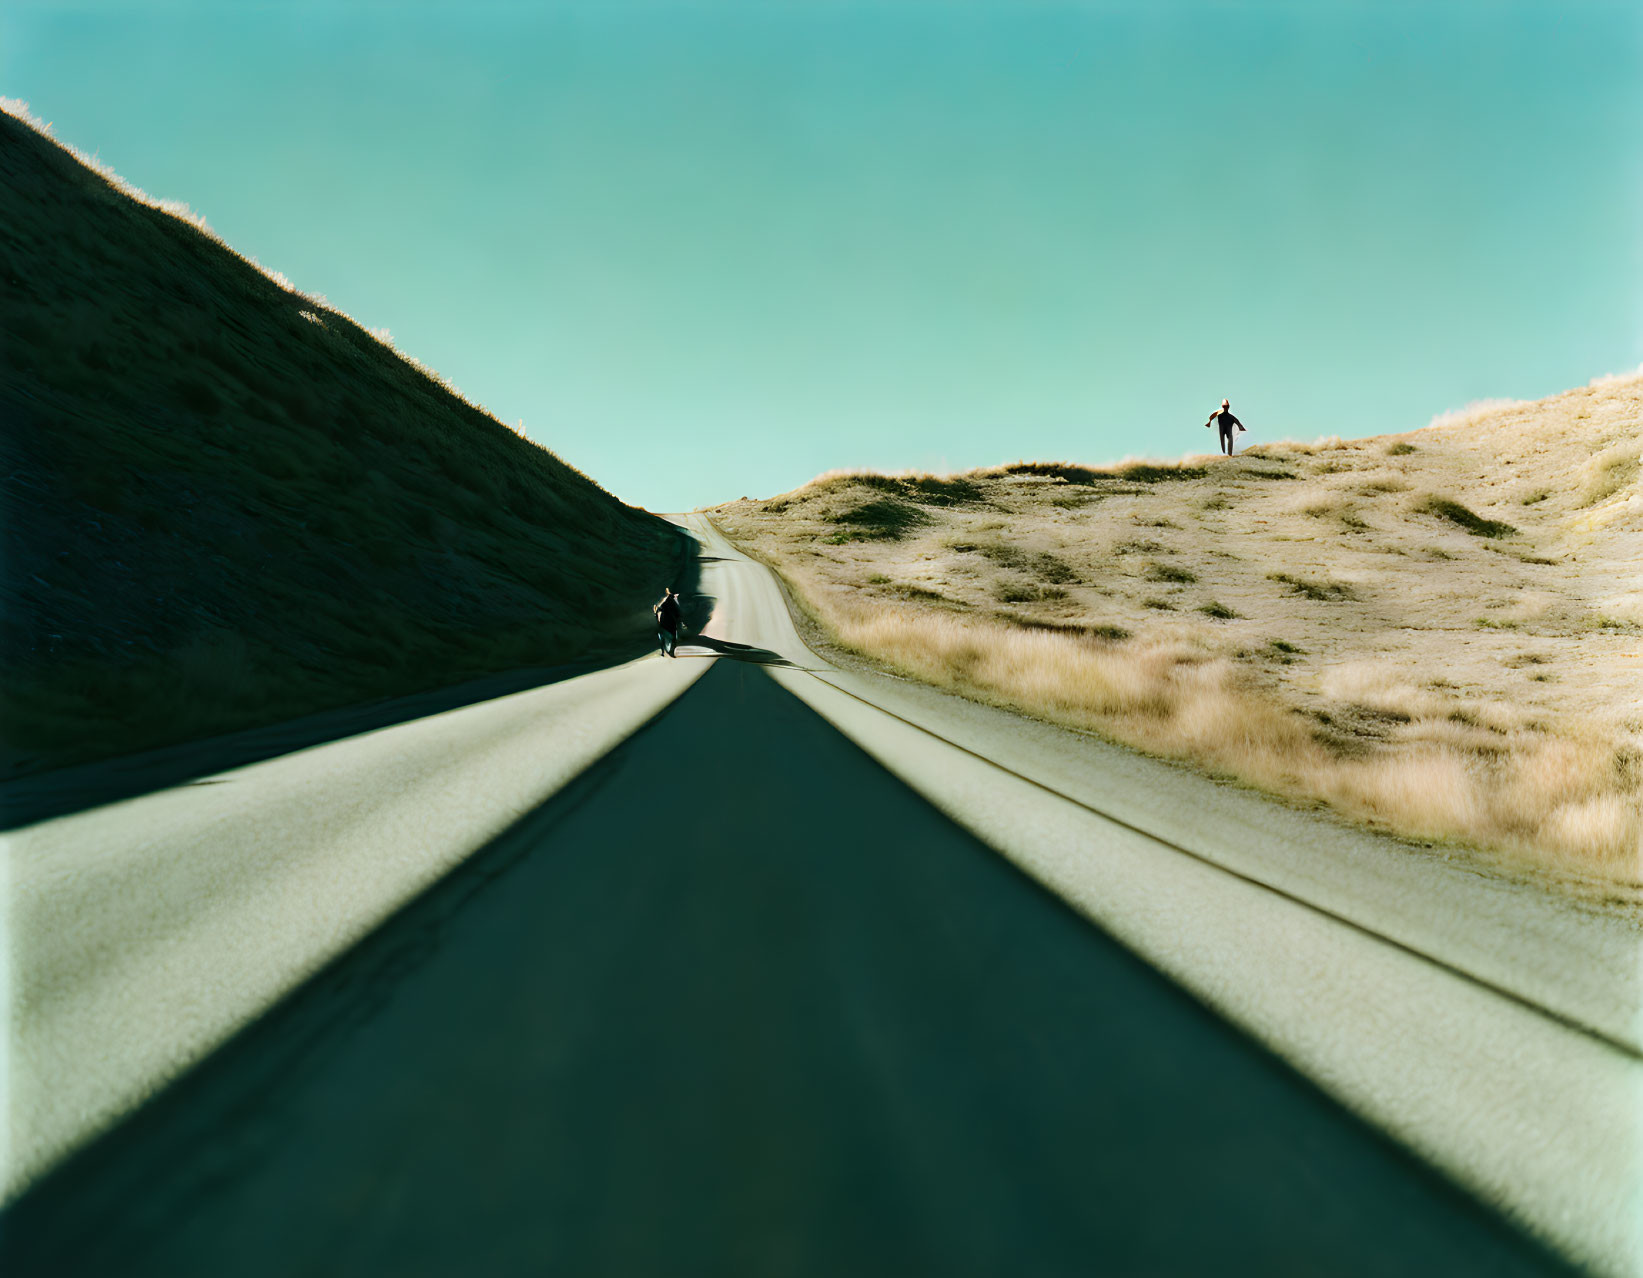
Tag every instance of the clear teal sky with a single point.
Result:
(707, 249)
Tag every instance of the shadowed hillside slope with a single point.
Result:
(1439, 633)
(227, 505)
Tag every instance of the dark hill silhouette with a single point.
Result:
(227, 505)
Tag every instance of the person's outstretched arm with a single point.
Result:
(1238, 423)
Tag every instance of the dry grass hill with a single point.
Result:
(1438, 633)
(227, 505)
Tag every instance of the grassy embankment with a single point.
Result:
(1439, 634)
(227, 505)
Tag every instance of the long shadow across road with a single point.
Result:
(739, 1002)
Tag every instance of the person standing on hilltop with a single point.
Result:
(1223, 417)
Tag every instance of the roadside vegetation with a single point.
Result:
(226, 504)
(1439, 635)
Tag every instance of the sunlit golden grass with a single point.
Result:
(1509, 787)
(1435, 635)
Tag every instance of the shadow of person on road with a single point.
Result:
(695, 609)
(736, 651)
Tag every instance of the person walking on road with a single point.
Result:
(1229, 424)
(667, 622)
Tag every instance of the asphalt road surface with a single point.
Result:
(701, 1014)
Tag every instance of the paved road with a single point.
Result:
(701, 1014)
(1489, 1027)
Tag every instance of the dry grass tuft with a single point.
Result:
(1457, 514)
(1610, 473)
(1318, 591)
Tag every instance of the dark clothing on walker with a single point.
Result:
(667, 624)
(1228, 424)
